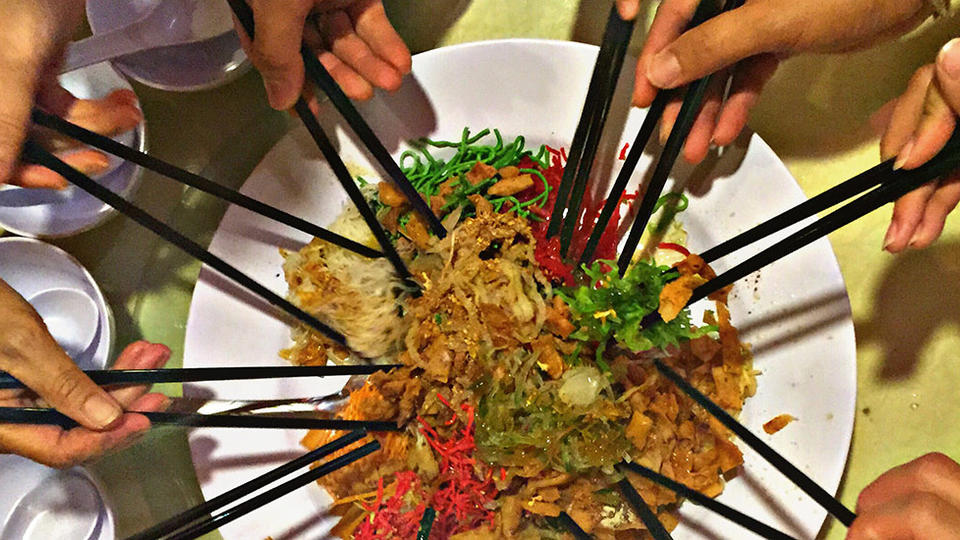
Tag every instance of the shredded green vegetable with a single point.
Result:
(427, 172)
(611, 306)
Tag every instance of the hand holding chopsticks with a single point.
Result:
(54, 378)
(39, 416)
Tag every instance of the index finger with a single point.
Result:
(671, 20)
(275, 50)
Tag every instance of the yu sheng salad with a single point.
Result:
(524, 379)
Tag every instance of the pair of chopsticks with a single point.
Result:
(795, 475)
(583, 148)
(34, 153)
(192, 523)
(885, 184)
(877, 186)
(586, 139)
(704, 11)
(322, 79)
(671, 150)
(44, 416)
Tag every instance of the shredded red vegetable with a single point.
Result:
(462, 498)
(623, 151)
(387, 520)
(675, 247)
(547, 252)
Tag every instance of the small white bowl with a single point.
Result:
(71, 317)
(32, 267)
(188, 67)
(45, 213)
(48, 504)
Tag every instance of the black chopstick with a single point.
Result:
(650, 121)
(181, 375)
(894, 185)
(595, 91)
(319, 75)
(572, 527)
(671, 150)
(34, 153)
(704, 11)
(616, 37)
(273, 494)
(183, 518)
(833, 196)
(245, 16)
(173, 172)
(353, 191)
(649, 518)
(745, 521)
(795, 475)
(50, 417)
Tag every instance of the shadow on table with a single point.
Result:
(916, 296)
(419, 34)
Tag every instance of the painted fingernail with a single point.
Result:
(949, 58)
(903, 156)
(101, 411)
(890, 236)
(664, 70)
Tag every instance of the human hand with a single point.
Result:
(29, 353)
(921, 122)
(355, 42)
(755, 37)
(32, 36)
(920, 499)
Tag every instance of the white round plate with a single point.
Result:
(794, 312)
(45, 213)
(31, 266)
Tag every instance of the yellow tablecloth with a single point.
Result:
(814, 114)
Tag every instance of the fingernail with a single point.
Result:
(949, 58)
(101, 411)
(277, 95)
(890, 236)
(912, 244)
(903, 156)
(664, 70)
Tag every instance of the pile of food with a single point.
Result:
(524, 379)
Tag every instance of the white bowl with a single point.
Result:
(71, 317)
(45, 213)
(40, 503)
(32, 267)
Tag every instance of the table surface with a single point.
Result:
(815, 114)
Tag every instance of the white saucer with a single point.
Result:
(193, 66)
(49, 504)
(44, 213)
(31, 266)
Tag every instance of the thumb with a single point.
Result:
(948, 74)
(720, 42)
(628, 9)
(59, 382)
(30, 354)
